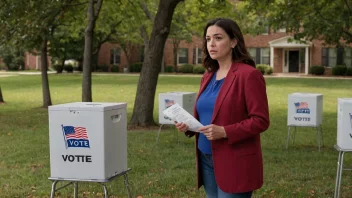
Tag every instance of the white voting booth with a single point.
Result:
(305, 110)
(344, 137)
(88, 142)
(185, 99)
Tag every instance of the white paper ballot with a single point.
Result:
(178, 114)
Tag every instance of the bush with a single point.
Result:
(58, 68)
(16, 63)
(339, 70)
(102, 68)
(186, 68)
(349, 71)
(115, 68)
(269, 70)
(169, 69)
(198, 69)
(317, 70)
(262, 68)
(136, 67)
(68, 68)
(2, 67)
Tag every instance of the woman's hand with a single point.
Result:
(213, 132)
(181, 127)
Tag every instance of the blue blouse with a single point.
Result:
(205, 108)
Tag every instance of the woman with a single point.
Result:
(233, 107)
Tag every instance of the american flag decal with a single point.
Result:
(75, 136)
(302, 107)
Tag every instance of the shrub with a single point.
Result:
(262, 68)
(317, 70)
(186, 68)
(58, 68)
(169, 69)
(136, 67)
(269, 70)
(349, 71)
(68, 68)
(339, 70)
(102, 68)
(115, 68)
(198, 69)
(2, 67)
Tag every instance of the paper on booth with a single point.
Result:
(178, 114)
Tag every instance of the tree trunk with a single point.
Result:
(1, 98)
(44, 71)
(144, 102)
(88, 46)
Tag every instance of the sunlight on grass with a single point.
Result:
(166, 169)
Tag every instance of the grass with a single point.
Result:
(166, 169)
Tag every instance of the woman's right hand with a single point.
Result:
(181, 127)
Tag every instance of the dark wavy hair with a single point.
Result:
(239, 53)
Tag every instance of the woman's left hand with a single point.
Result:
(213, 132)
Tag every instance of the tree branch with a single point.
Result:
(146, 11)
(144, 34)
(97, 9)
(348, 6)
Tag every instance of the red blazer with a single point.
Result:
(242, 108)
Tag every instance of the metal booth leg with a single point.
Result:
(339, 174)
(157, 139)
(53, 187)
(75, 189)
(319, 137)
(106, 195)
(127, 185)
(288, 137)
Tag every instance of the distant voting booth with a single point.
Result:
(344, 137)
(344, 123)
(185, 99)
(305, 110)
(88, 141)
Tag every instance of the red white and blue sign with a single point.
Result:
(302, 107)
(75, 136)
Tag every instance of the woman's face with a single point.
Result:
(219, 44)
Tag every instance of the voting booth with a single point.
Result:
(88, 141)
(344, 123)
(305, 110)
(344, 137)
(185, 99)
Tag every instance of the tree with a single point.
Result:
(31, 25)
(144, 102)
(328, 20)
(1, 98)
(92, 15)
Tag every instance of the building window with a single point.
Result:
(265, 56)
(348, 56)
(115, 56)
(183, 56)
(260, 55)
(329, 57)
(253, 53)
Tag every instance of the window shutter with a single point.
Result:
(258, 56)
(339, 56)
(325, 56)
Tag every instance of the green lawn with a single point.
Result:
(166, 169)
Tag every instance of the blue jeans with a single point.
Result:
(211, 188)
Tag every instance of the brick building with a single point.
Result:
(278, 50)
